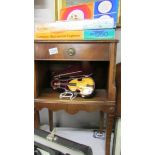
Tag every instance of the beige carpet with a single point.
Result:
(82, 136)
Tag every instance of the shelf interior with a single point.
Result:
(44, 76)
(50, 96)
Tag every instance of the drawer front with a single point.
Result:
(72, 51)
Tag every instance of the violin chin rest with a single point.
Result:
(88, 96)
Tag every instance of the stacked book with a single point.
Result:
(76, 24)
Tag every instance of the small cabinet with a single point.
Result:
(50, 56)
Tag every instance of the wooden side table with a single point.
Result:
(118, 86)
(100, 55)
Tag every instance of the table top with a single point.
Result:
(80, 41)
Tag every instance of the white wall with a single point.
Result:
(118, 36)
(44, 12)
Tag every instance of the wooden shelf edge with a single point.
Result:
(100, 98)
(76, 41)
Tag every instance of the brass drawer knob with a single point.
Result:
(71, 51)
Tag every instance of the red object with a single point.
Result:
(75, 71)
(84, 11)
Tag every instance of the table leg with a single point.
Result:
(50, 115)
(110, 121)
(101, 121)
(36, 119)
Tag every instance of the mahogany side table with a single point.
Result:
(100, 54)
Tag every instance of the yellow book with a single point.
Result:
(64, 35)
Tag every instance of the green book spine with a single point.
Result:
(99, 34)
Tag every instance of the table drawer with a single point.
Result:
(72, 51)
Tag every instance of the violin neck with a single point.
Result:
(65, 84)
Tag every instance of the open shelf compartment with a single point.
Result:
(43, 75)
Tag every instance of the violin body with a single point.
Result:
(84, 86)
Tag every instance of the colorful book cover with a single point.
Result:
(99, 34)
(65, 35)
(103, 9)
(106, 9)
(78, 12)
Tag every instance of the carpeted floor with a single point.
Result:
(82, 136)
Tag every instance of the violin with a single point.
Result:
(84, 86)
